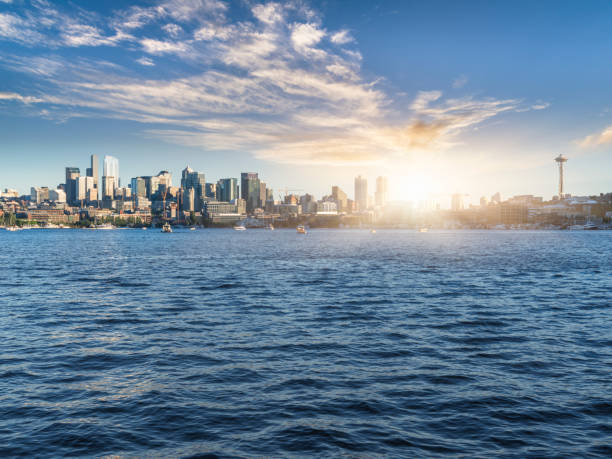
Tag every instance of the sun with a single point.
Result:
(411, 187)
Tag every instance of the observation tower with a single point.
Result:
(560, 161)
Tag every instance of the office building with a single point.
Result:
(58, 195)
(227, 189)
(111, 169)
(361, 193)
(72, 174)
(211, 191)
(456, 202)
(191, 179)
(92, 171)
(381, 195)
(249, 190)
(39, 194)
(340, 198)
(108, 188)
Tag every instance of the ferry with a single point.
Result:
(270, 227)
(192, 228)
(105, 226)
(423, 230)
(166, 228)
(301, 229)
(240, 228)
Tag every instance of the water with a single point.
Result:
(337, 343)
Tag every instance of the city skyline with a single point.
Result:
(310, 94)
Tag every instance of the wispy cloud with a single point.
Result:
(277, 83)
(595, 140)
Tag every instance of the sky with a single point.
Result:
(442, 97)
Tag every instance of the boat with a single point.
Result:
(240, 228)
(105, 226)
(423, 230)
(13, 228)
(166, 228)
(144, 228)
(301, 229)
(192, 228)
(270, 227)
(372, 231)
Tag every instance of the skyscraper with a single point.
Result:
(456, 202)
(381, 195)
(197, 181)
(341, 198)
(72, 175)
(227, 189)
(361, 193)
(111, 168)
(249, 190)
(92, 171)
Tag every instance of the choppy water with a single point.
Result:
(338, 343)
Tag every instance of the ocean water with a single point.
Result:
(340, 343)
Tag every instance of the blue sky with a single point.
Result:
(441, 96)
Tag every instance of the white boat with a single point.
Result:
(13, 228)
(372, 231)
(423, 230)
(192, 228)
(105, 226)
(239, 228)
(270, 227)
(301, 229)
(166, 228)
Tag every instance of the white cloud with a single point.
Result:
(268, 13)
(152, 46)
(595, 140)
(145, 61)
(19, 97)
(173, 30)
(342, 37)
(270, 84)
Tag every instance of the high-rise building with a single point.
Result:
(72, 175)
(92, 171)
(249, 190)
(108, 188)
(165, 180)
(111, 169)
(341, 198)
(39, 194)
(85, 191)
(139, 187)
(197, 181)
(58, 195)
(262, 193)
(361, 193)
(382, 194)
(211, 190)
(456, 202)
(227, 189)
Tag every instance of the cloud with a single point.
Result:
(19, 97)
(305, 36)
(595, 140)
(270, 84)
(173, 29)
(540, 106)
(153, 46)
(342, 37)
(145, 61)
(460, 81)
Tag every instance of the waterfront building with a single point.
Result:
(361, 193)
(227, 189)
(327, 208)
(249, 190)
(111, 169)
(382, 191)
(308, 203)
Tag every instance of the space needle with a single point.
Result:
(560, 161)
